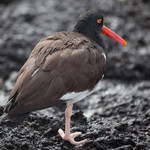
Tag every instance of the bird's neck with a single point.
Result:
(91, 34)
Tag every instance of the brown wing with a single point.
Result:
(62, 63)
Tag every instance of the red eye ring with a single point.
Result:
(99, 21)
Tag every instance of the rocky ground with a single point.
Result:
(117, 116)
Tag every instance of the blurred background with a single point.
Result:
(24, 23)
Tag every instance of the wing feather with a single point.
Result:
(62, 67)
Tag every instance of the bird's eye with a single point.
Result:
(99, 21)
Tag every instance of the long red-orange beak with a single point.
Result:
(113, 35)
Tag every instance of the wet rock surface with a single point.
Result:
(117, 116)
(120, 120)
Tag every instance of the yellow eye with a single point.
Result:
(99, 21)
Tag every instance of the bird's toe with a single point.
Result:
(73, 135)
(61, 133)
(70, 138)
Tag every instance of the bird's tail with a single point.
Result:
(10, 115)
(17, 118)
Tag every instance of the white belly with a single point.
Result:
(74, 97)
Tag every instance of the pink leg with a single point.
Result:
(67, 136)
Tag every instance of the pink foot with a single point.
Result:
(71, 137)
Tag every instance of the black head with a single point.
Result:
(90, 24)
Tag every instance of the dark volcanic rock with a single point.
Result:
(120, 120)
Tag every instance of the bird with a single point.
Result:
(64, 67)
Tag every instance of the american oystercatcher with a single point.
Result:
(66, 66)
